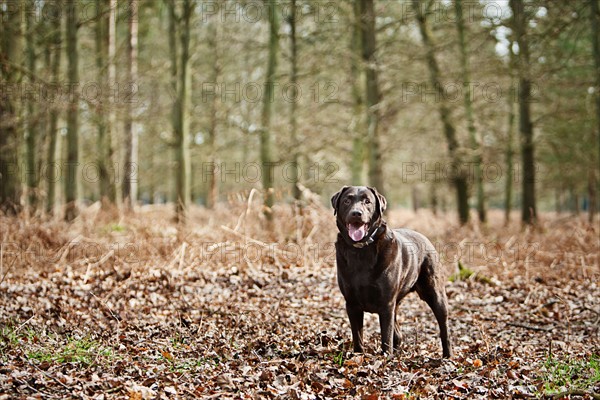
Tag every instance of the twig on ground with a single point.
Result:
(244, 215)
(531, 327)
(23, 324)
(47, 375)
(102, 260)
(258, 242)
(2, 265)
(68, 246)
(575, 392)
(182, 255)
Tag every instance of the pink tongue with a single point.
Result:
(355, 233)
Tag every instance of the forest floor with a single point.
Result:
(128, 306)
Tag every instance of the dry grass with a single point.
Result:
(232, 239)
(561, 246)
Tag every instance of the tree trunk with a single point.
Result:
(475, 146)
(373, 95)
(416, 197)
(358, 115)
(433, 198)
(213, 187)
(592, 187)
(101, 51)
(173, 50)
(10, 53)
(108, 178)
(105, 114)
(31, 130)
(54, 114)
(266, 155)
(520, 20)
(459, 179)
(593, 169)
(574, 200)
(173, 68)
(294, 178)
(72, 163)
(131, 170)
(509, 153)
(181, 123)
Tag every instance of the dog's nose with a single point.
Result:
(356, 213)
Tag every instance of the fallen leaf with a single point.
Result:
(167, 355)
(170, 390)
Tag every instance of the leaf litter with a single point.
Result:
(137, 308)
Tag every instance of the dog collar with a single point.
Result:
(370, 239)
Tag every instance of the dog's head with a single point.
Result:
(359, 210)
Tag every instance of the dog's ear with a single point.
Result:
(335, 199)
(380, 200)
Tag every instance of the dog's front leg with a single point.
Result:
(387, 322)
(356, 317)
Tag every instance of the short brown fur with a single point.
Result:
(377, 272)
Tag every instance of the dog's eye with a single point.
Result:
(347, 201)
(367, 201)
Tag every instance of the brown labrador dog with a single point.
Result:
(377, 267)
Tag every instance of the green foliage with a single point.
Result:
(83, 351)
(8, 336)
(465, 273)
(177, 341)
(339, 358)
(571, 373)
(114, 227)
(12, 337)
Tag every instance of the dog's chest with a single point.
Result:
(363, 282)
(371, 298)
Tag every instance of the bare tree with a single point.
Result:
(130, 183)
(72, 113)
(105, 116)
(181, 77)
(468, 103)
(520, 21)
(32, 122)
(373, 94)
(592, 171)
(11, 48)
(358, 114)
(296, 192)
(509, 155)
(213, 184)
(459, 180)
(56, 41)
(266, 146)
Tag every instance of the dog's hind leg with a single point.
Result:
(439, 306)
(430, 288)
